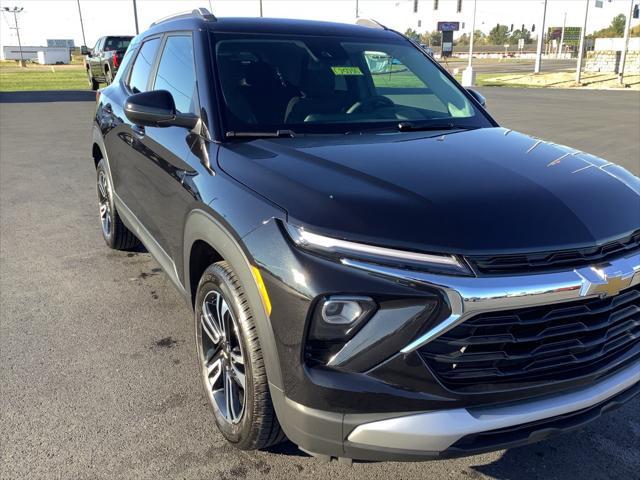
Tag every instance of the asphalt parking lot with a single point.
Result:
(98, 371)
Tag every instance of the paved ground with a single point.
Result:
(97, 363)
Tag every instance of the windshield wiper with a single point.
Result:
(276, 134)
(410, 127)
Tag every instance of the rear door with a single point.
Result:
(125, 143)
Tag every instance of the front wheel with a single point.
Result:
(231, 362)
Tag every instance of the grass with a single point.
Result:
(42, 77)
(589, 80)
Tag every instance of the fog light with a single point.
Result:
(341, 312)
(340, 316)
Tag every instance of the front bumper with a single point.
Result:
(437, 433)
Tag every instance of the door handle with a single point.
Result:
(138, 130)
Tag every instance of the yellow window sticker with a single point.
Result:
(346, 70)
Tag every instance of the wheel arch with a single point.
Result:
(207, 240)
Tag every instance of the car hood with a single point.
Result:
(488, 190)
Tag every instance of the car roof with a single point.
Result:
(269, 25)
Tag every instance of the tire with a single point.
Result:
(108, 76)
(92, 81)
(252, 425)
(114, 232)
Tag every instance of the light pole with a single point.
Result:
(536, 68)
(261, 8)
(581, 51)
(16, 11)
(623, 56)
(357, 12)
(468, 78)
(135, 16)
(84, 40)
(564, 23)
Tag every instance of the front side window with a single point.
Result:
(142, 66)
(334, 84)
(176, 73)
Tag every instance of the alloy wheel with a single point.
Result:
(104, 204)
(222, 357)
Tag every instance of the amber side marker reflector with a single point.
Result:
(262, 289)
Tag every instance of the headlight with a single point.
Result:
(447, 264)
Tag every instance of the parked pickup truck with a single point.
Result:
(103, 60)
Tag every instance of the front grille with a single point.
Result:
(533, 346)
(561, 259)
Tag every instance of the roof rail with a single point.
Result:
(198, 12)
(371, 23)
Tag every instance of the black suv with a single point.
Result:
(377, 270)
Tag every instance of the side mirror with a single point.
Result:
(479, 98)
(157, 109)
(85, 51)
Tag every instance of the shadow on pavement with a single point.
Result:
(48, 96)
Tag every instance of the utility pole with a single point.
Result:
(16, 11)
(210, 7)
(625, 46)
(357, 12)
(582, 35)
(536, 68)
(135, 16)
(468, 78)
(260, 8)
(564, 23)
(84, 40)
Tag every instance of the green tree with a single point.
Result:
(499, 35)
(518, 34)
(616, 29)
(478, 39)
(412, 34)
(617, 24)
(433, 39)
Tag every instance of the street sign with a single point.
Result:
(448, 26)
(520, 43)
(599, 3)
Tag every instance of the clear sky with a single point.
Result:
(43, 19)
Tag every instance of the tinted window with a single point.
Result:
(142, 65)
(117, 43)
(176, 73)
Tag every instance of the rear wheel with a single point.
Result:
(116, 235)
(93, 83)
(231, 361)
(108, 75)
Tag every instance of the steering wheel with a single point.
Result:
(370, 104)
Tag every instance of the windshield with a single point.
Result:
(312, 84)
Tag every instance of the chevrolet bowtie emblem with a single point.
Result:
(608, 279)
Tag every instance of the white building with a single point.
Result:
(48, 55)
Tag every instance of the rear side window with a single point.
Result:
(142, 66)
(176, 73)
